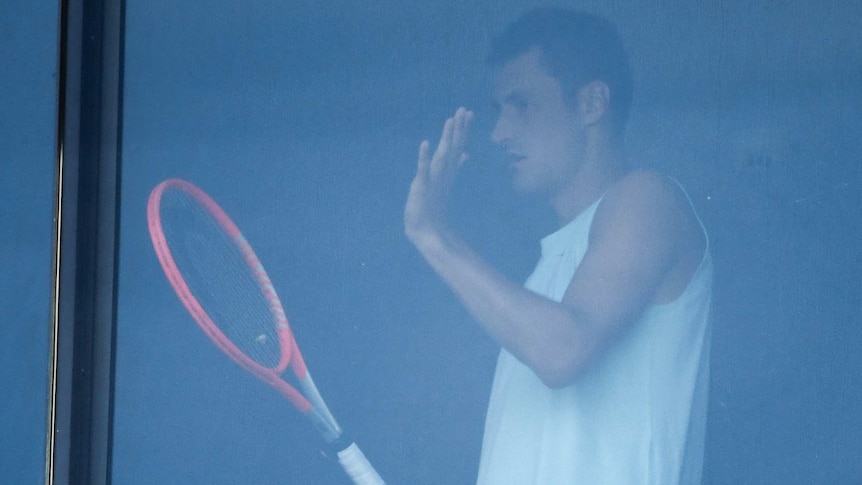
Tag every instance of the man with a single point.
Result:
(602, 376)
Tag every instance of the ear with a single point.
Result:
(594, 101)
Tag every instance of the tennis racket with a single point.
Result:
(223, 285)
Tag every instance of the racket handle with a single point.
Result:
(357, 466)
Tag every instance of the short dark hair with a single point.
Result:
(577, 48)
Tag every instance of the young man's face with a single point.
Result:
(541, 132)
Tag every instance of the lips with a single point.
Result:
(515, 156)
(515, 159)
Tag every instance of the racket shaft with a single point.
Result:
(358, 467)
(327, 427)
(313, 396)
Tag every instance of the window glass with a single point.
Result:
(28, 147)
(303, 120)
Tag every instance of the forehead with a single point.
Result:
(523, 75)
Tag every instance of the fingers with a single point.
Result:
(441, 155)
(449, 154)
(461, 128)
(424, 156)
(452, 141)
(429, 190)
(421, 167)
(461, 121)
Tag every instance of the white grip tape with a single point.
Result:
(357, 466)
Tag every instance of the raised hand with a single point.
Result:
(425, 211)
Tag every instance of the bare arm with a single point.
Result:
(633, 246)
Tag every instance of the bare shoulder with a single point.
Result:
(644, 196)
(648, 214)
(646, 187)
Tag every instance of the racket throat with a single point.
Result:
(328, 428)
(320, 416)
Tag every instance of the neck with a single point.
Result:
(603, 164)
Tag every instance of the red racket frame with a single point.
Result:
(290, 354)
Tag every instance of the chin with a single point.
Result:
(523, 185)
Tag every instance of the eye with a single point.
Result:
(520, 105)
(516, 103)
(496, 107)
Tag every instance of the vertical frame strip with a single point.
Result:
(87, 211)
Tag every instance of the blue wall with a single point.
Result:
(28, 107)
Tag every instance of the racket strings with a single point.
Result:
(218, 274)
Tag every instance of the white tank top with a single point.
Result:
(638, 416)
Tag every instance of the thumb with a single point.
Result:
(424, 158)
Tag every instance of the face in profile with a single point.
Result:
(541, 132)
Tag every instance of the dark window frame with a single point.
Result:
(86, 224)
